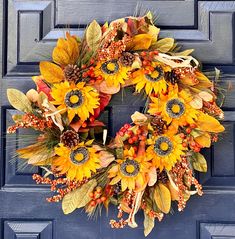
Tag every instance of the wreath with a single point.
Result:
(149, 165)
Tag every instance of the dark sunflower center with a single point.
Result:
(163, 146)
(74, 98)
(156, 75)
(175, 108)
(79, 156)
(110, 67)
(130, 168)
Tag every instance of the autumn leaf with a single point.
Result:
(183, 53)
(162, 197)
(148, 224)
(78, 198)
(140, 42)
(204, 140)
(93, 35)
(208, 123)
(164, 45)
(42, 86)
(51, 72)
(19, 100)
(199, 162)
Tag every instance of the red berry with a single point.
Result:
(134, 138)
(145, 63)
(184, 145)
(84, 74)
(103, 198)
(193, 126)
(129, 132)
(84, 125)
(188, 130)
(143, 53)
(135, 155)
(130, 141)
(91, 195)
(135, 148)
(92, 81)
(83, 66)
(182, 135)
(156, 52)
(92, 203)
(197, 149)
(126, 126)
(121, 133)
(92, 118)
(193, 144)
(92, 68)
(99, 77)
(92, 61)
(98, 201)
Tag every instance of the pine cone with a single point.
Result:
(162, 176)
(158, 124)
(172, 77)
(127, 59)
(72, 73)
(69, 138)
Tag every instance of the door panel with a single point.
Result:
(30, 29)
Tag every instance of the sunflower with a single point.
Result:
(174, 108)
(132, 172)
(75, 99)
(76, 163)
(153, 80)
(165, 150)
(113, 72)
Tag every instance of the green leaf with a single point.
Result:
(78, 198)
(93, 35)
(148, 224)
(19, 100)
(199, 162)
(183, 53)
(164, 45)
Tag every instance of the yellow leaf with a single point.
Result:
(204, 82)
(66, 51)
(78, 198)
(204, 140)
(60, 56)
(73, 48)
(19, 100)
(148, 224)
(208, 123)
(164, 45)
(140, 42)
(199, 163)
(93, 35)
(173, 191)
(162, 197)
(51, 72)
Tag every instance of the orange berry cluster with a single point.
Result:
(31, 121)
(97, 197)
(61, 186)
(188, 139)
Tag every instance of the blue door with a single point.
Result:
(30, 29)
